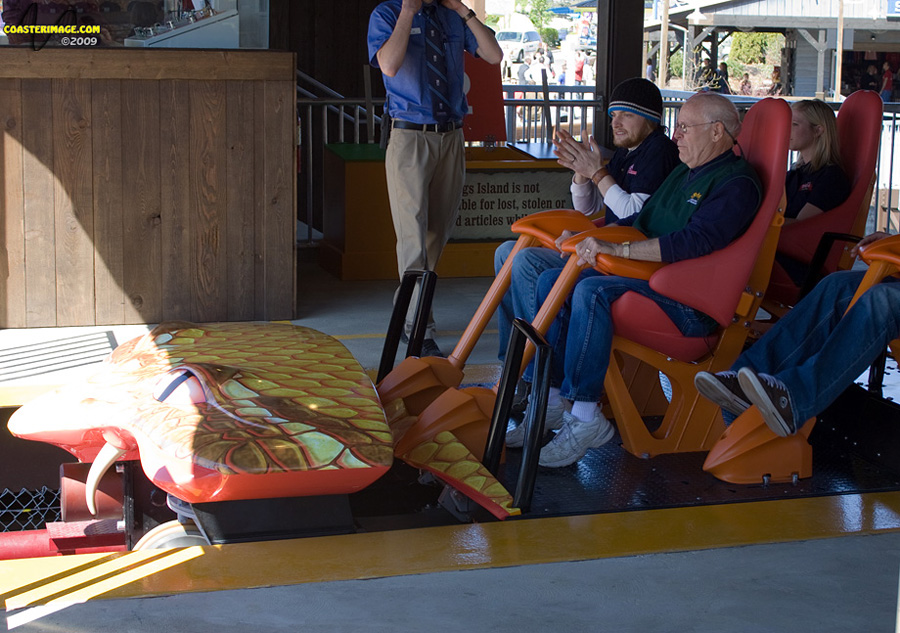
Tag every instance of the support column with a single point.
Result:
(821, 46)
(619, 25)
(695, 55)
(663, 69)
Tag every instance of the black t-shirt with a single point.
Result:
(643, 169)
(826, 188)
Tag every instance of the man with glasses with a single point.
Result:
(705, 204)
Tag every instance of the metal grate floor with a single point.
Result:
(35, 359)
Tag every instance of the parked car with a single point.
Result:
(517, 44)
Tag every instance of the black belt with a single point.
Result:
(440, 128)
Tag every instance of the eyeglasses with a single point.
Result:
(681, 127)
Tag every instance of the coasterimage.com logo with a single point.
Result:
(51, 29)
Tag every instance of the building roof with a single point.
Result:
(778, 14)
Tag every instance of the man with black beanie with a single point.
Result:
(643, 158)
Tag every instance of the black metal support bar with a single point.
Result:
(534, 418)
(814, 275)
(876, 375)
(398, 318)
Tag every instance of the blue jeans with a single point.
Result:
(582, 333)
(519, 300)
(816, 351)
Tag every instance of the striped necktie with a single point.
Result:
(436, 65)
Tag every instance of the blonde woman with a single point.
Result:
(816, 182)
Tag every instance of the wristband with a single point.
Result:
(626, 250)
(471, 14)
(594, 178)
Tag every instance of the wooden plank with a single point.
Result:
(12, 227)
(175, 199)
(38, 194)
(280, 118)
(239, 206)
(156, 64)
(73, 202)
(207, 227)
(109, 138)
(141, 215)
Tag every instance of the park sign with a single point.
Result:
(893, 9)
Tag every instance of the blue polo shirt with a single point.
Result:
(408, 89)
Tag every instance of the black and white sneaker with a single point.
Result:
(723, 389)
(430, 348)
(772, 398)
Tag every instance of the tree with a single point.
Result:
(755, 48)
(676, 63)
(537, 11)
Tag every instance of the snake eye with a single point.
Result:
(180, 387)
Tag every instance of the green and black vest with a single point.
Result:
(671, 207)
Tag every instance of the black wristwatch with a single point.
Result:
(471, 14)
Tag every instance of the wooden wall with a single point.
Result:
(138, 186)
(329, 39)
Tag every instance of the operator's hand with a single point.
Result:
(454, 5)
(412, 6)
(868, 239)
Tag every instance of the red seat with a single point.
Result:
(859, 129)
(727, 285)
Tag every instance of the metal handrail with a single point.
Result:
(335, 118)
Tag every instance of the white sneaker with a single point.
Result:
(515, 438)
(575, 438)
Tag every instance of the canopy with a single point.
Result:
(578, 7)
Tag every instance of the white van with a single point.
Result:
(517, 44)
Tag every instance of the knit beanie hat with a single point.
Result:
(637, 95)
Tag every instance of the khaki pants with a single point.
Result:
(425, 175)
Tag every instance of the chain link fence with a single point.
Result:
(28, 509)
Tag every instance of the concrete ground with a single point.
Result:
(848, 583)
(821, 586)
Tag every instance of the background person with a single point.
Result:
(871, 81)
(721, 79)
(523, 74)
(887, 82)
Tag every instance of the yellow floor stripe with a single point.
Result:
(40, 582)
(351, 337)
